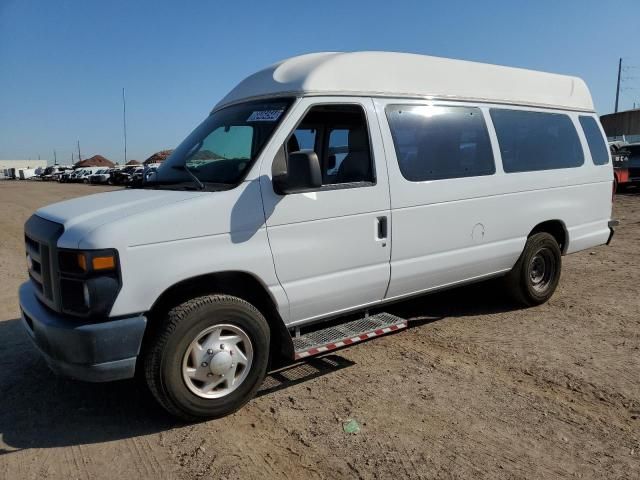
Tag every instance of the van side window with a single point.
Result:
(438, 142)
(531, 141)
(339, 136)
(599, 150)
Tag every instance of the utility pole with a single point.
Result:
(124, 124)
(55, 159)
(80, 156)
(72, 162)
(618, 85)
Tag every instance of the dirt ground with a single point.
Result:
(476, 388)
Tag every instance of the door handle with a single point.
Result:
(382, 227)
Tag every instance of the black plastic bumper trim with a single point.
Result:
(93, 352)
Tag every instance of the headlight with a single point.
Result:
(89, 281)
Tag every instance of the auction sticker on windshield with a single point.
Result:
(265, 116)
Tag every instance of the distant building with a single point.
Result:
(95, 161)
(622, 124)
(22, 164)
(158, 157)
(6, 165)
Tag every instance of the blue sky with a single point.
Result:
(63, 63)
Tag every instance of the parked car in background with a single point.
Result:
(53, 172)
(81, 175)
(55, 177)
(70, 175)
(125, 175)
(75, 175)
(65, 177)
(620, 159)
(139, 176)
(634, 162)
(89, 171)
(100, 176)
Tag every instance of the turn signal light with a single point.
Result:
(103, 263)
(85, 262)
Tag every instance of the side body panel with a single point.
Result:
(457, 230)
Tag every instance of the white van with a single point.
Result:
(327, 184)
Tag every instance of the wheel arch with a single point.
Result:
(237, 283)
(555, 228)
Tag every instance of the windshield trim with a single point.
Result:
(290, 102)
(292, 96)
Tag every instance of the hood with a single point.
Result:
(94, 210)
(84, 214)
(134, 217)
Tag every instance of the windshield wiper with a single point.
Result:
(191, 174)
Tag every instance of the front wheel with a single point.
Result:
(208, 358)
(536, 274)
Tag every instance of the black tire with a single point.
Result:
(536, 274)
(163, 360)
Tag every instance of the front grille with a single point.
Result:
(34, 253)
(31, 244)
(41, 238)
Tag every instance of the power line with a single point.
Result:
(627, 82)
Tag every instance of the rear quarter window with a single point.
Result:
(595, 140)
(439, 142)
(531, 141)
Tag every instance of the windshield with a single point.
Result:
(223, 147)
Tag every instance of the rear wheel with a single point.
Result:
(209, 357)
(536, 274)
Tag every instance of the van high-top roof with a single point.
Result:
(409, 75)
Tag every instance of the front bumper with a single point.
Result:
(97, 352)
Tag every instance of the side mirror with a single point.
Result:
(302, 173)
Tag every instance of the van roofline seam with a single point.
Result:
(405, 96)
